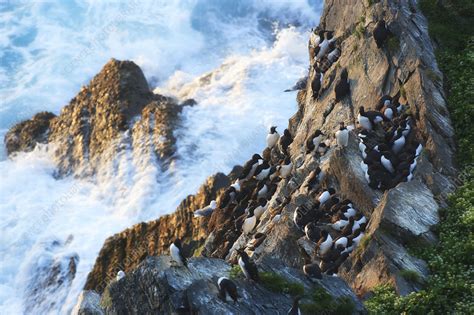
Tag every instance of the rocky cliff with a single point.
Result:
(398, 217)
(115, 111)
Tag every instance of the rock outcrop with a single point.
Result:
(100, 121)
(115, 111)
(124, 251)
(158, 287)
(24, 136)
(406, 66)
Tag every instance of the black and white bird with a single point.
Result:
(262, 171)
(285, 168)
(387, 163)
(295, 309)
(314, 141)
(312, 231)
(312, 270)
(249, 222)
(299, 85)
(120, 275)
(316, 83)
(206, 211)
(324, 45)
(325, 195)
(285, 141)
(334, 55)
(342, 87)
(398, 142)
(369, 118)
(227, 287)
(228, 197)
(381, 33)
(342, 135)
(261, 208)
(324, 243)
(272, 137)
(177, 253)
(250, 166)
(248, 267)
(340, 224)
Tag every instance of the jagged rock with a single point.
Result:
(88, 303)
(125, 250)
(93, 127)
(403, 214)
(25, 135)
(157, 286)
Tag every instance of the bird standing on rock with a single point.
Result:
(206, 211)
(248, 267)
(314, 141)
(250, 166)
(316, 83)
(272, 137)
(324, 243)
(342, 135)
(295, 309)
(227, 287)
(285, 141)
(177, 253)
(120, 275)
(342, 88)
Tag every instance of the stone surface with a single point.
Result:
(403, 214)
(125, 250)
(159, 287)
(25, 135)
(88, 303)
(116, 110)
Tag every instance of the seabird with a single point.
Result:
(177, 253)
(206, 211)
(398, 142)
(299, 85)
(285, 141)
(312, 231)
(295, 309)
(250, 166)
(227, 287)
(285, 168)
(261, 208)
(342, 87)
(248, 267)
(228, 197)
(312, 271)
(262, 171)
(324, 243)
(314, 141)
(340, 224)
(325, 195)
(316, 83)
(249, 222)
(342, 135)
(272, 137)
(120, 275)
(324, 45)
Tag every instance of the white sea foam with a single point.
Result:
(234, 58)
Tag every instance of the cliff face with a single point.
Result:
(405, 214)
(116, 110)
(397, 217)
